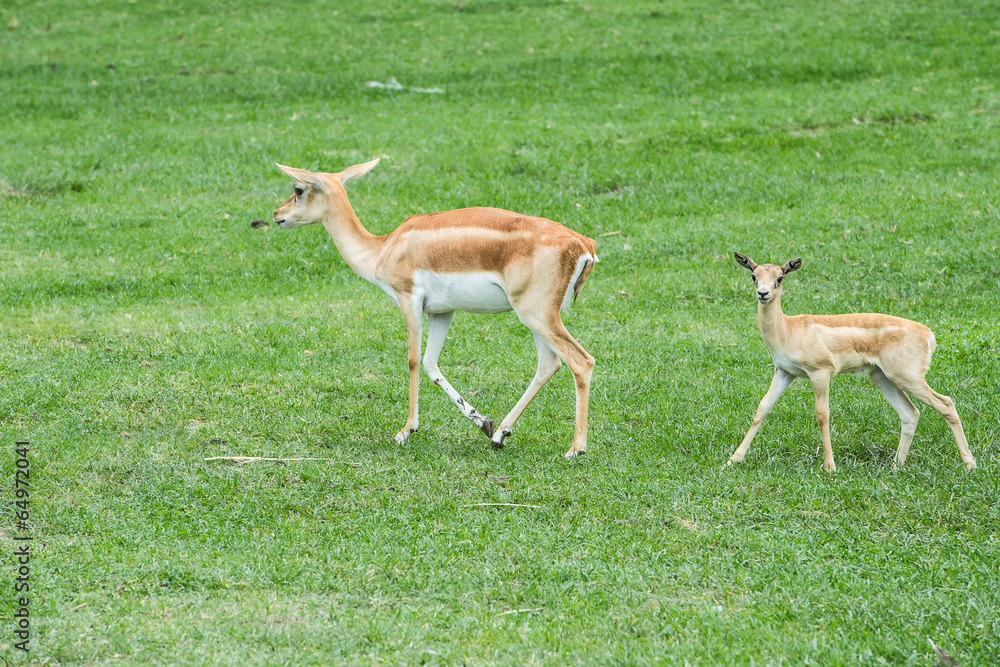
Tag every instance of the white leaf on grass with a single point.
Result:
(392, 84)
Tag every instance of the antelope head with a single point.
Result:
(317, 195)
(767, 277)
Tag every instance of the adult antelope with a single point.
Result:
(480, 260)
(895, 353)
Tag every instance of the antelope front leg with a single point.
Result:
(779, 383)
(821, 387)
(413, 332)
(437, 331)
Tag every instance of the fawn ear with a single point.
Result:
(791, 265)
(744, 261)
(358, 170)
(302, 176)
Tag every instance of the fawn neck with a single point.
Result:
(771, 321)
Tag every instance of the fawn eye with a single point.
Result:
(299, 191)
(780, 278)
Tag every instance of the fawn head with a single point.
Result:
(315, 194)
(767, 277)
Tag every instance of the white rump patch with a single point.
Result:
(580, 265)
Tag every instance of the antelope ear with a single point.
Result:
(302, 176)
(358, 170)
(791, 265)
(744, 261)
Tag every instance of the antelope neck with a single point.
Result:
(358, 247)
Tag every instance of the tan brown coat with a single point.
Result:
(482, 260)
(894, 352)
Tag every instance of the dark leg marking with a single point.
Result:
(488, 427)
(460, 402)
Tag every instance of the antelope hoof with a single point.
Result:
(573, 453)
(498, 442)
(404, 435)
(488, 427)
(970, 465)
(830, 467)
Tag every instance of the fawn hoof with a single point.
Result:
(573, 453)
(970, 465)
(488, 427)
(830, 467)
(404, 435)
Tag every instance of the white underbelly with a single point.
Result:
(478, 292)
(850, 363)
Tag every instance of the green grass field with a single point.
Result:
(145, 327)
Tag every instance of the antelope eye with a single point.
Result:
(299, 191)
(780, 278)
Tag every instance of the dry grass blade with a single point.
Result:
(533, 507)
(689, 525)
(946, 660)
(521, 611)
(243, 460)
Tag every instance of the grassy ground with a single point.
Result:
(145, 327)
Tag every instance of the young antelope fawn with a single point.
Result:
(480, 260)
(895, 353)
